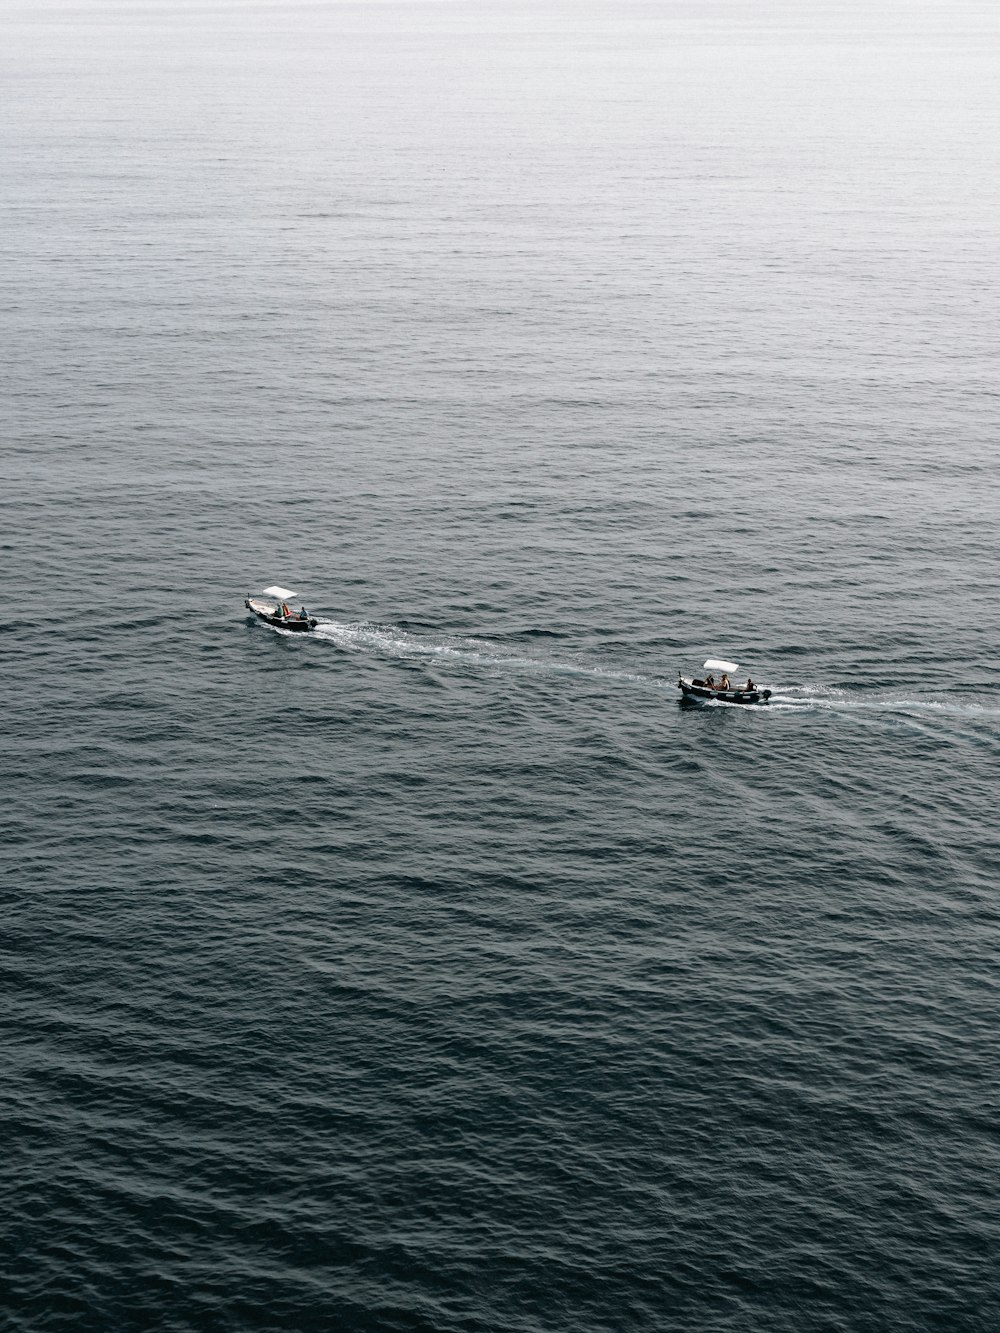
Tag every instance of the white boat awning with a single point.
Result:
(282, 594)
(714, 664)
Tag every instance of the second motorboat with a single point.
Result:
(273, 607)
(705, 688)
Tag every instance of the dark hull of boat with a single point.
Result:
(292, 623)
(701, 693)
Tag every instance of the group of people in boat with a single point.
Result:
(283, 613)
(709, 683)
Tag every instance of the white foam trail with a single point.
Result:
(390, 641)
(836, 700)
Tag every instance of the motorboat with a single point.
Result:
(706, 688)
(273, 606)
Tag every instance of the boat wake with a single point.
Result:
(391, 641)
(829, 698)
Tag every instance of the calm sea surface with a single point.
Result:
(439, 972)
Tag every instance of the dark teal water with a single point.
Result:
(439, 971)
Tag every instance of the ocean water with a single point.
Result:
(440, 971)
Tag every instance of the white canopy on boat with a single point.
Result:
(713, 664)
(282, 594)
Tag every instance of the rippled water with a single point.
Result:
(440, 971)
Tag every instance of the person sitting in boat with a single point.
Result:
(724, 682)
(302, 613)
(710, 682)
(750, 685)
(285, 613)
